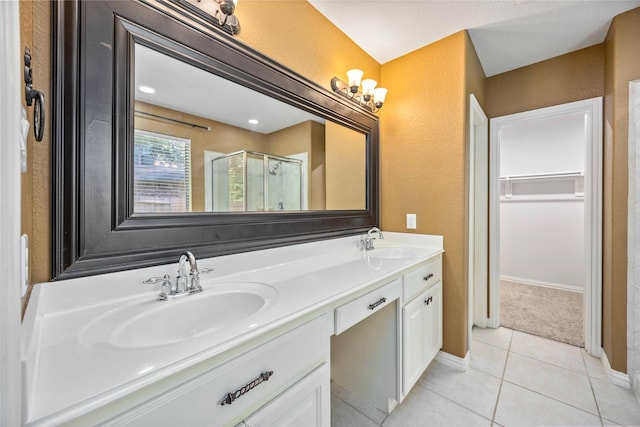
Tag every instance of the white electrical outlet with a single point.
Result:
(411, 221)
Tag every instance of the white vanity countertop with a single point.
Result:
(66, 377)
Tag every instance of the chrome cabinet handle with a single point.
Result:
(428, 276)
(231, 397)
(377, 303)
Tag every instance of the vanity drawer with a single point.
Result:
(421, 278)
(199, 401)
(353, 312)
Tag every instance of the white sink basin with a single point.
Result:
(395, 252)
(146, 323)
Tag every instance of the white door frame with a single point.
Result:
(633, 244)
(592, 109)
(478, 219)
(10, 305)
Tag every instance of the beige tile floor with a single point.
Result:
(514, 379)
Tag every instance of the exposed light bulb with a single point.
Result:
(368, 86)
(379, 95)
(354, 76)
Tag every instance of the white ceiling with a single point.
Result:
(507, 34)
(182, 87)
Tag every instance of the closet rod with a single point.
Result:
(169, 119)
(571, 174)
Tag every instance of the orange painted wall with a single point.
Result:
(572, 77)
(424, 167)
(295, 34)
(35, 33)
(346, 152)
(622, 65)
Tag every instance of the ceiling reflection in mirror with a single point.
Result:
(205, 144)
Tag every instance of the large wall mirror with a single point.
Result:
(239, 150)
(169, 137)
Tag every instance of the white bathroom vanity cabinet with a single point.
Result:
(326, 312)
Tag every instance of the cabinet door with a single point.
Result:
(421, 334)
(306, 403)
(433, 323)
(413, 334)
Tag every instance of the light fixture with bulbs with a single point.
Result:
(364, 92)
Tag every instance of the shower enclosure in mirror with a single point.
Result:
(251, 181)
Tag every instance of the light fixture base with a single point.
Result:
(208, 12)
(342, 88)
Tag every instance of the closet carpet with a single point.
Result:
(551, 313)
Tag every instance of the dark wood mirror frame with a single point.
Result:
(93, 227)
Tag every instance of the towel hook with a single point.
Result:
(32, 95)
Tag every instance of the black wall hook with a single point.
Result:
(32, 95)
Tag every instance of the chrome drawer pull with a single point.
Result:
(377, 303)
(231, 397)
(428, 276)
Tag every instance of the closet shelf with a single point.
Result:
(561, 185)
(536, 176)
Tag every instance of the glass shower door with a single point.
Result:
(284, 184)
(255, 182)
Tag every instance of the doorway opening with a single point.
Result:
(545, 186)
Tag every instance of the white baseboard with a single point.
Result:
(635, 387)
(456, 362)
(616, 377)
(543, 284)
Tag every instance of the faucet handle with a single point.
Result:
(165, 288)
(180, 278)
(194, 282)
(362, 243)
(370, 243)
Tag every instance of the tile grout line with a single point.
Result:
(565, 369)
(358, 411)
(598, 414)
(535, 359)
(571, 371)
(547, 362)
(450, 400)
(595, 399)
(492, 345)
(554, 399)
(506, 360)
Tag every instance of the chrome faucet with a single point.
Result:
(186, 284)
(366, 243)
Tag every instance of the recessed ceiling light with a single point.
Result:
(146, 89)
(254, 121)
